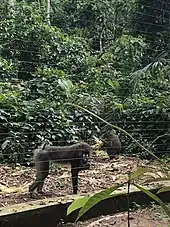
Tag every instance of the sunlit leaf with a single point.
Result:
(5, 144)
(78, 203)
(92, 201)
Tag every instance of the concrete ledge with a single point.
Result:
(49, 212)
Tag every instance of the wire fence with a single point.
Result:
(24, 129)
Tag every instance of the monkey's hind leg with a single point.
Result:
(42, 169)
(74, 173)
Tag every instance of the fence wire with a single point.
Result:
(32, 108)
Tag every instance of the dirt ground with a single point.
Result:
(14, 182)
(150, 217)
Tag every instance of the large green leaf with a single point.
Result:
(78, 203)
(97, 198)
(154, 197)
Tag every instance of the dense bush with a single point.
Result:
(91, 56)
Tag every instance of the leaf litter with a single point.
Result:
(14, 181)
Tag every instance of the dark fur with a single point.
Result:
(76, 155)
(111, 144)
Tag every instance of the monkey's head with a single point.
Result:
(111, 144)
(84, 163)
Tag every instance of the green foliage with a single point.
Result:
(39, 65)
(152, 21)
(144, 107)
(99, 22)
(29, 116)
(90, 57)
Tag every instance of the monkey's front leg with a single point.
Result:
(74, 173)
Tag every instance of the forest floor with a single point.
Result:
(14, 183)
